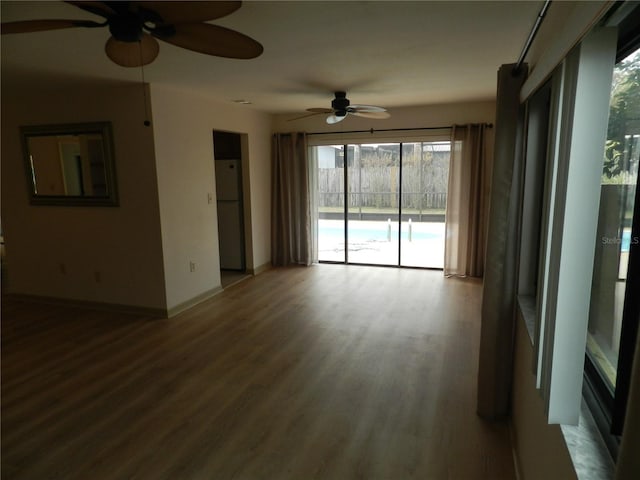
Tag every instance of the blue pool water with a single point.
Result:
(626, 241)
(358, 234)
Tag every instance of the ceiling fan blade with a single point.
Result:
(97, 8)
(366, 108)
(320, 110)
(132, 54)
(28, 26)
(331, 119)
(305, 116)
(376, 115)
(213, 40)
(189, 11)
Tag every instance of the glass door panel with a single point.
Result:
(373, 203)
(331, 221)
(425, 173)
(617, 203)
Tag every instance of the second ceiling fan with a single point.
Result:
(341, 107)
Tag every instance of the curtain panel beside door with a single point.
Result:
(290, 201)
(467, 201)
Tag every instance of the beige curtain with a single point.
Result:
(290, 209)
(467, 201)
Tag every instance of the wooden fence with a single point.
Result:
(377, 187)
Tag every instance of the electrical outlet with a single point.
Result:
(192, 266)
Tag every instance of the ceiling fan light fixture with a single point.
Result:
(332, 119)
(132, 54)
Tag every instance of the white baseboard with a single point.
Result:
(514, 450)
(181, 307)
(103, 306)
(261, 269)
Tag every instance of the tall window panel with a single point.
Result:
(612, 303)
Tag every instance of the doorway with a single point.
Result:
(382, 203)
(227, 147)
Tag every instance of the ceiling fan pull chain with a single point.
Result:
(144, 89)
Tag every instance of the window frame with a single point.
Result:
(437, 136)
(607, 404)
(571, 103)
(630, 322)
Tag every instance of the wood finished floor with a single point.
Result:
(327, 372)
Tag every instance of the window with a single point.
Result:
(535, 163)
(535, 166)
(577, 134)
(581, 192)
(613, 313)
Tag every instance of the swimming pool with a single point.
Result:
(332, 231)
(370, 242)
(624, 241)
(378, 231)
(357, 235)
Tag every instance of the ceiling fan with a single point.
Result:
(341, 107)
(135, 26)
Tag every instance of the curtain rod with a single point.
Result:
(532, 36)
(489, 125)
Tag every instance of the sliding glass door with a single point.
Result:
(425, 174)
(373, 196)
(330, 176)
(392, 211)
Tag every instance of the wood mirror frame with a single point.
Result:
(70, 164)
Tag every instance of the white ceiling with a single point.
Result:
(392, 54)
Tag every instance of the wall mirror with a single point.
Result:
(70, 164)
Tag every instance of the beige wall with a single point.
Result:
(164, 220)
(121, 243)
(409, 117)
(143, 248)
(183, 133)
(541, 451)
